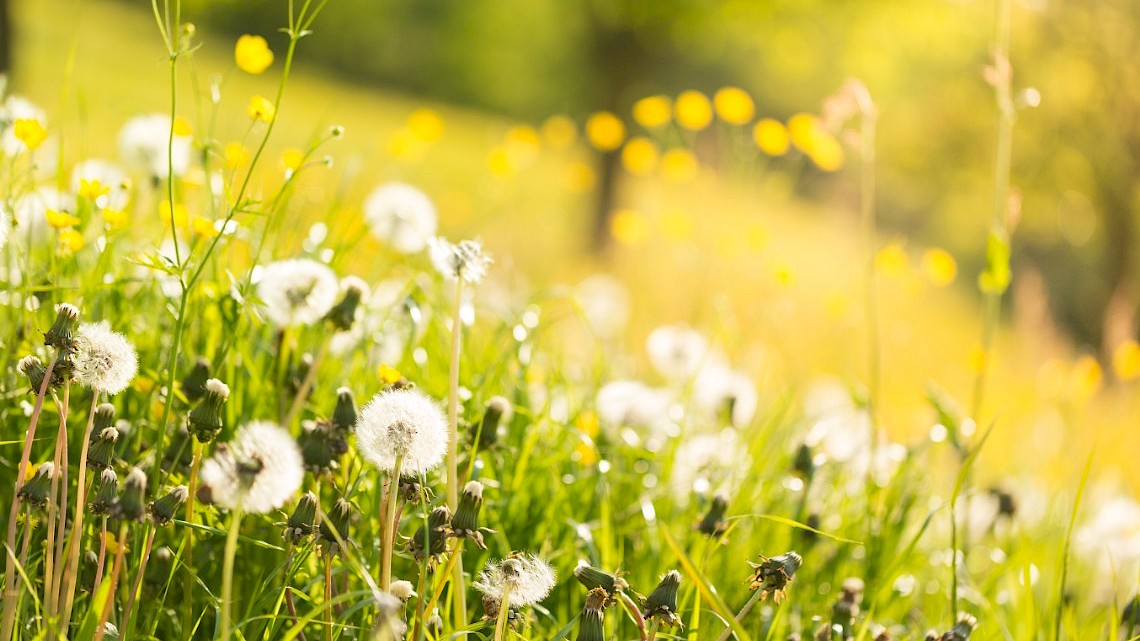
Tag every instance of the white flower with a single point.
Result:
(144, 142)
(465, 260)
(705, 461)
(677, 352)
(1110, 540)
(13, 109)
(405, 424)
(297, 291)
(258, 471)
(107, 175)
(401, 216)
(104, 360)
(605, 304)
(525, 578)
(635, 404)
(717, 386)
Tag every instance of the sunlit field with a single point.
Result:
(296, 355)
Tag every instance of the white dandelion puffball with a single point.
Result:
(109, 176)
(104, 359)
(633, 403)
(718, 387)
(677, 352)
(405, 424)
(257, 472)
(145, 142)
(525, 578)
(401, 216)
(298, 291)
(465, 260)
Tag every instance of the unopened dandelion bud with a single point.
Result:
(846, 607)
(298, 374)
(105, 493)
(343, 314)
(34, 369)
(435, 625)
(803, 465)
(62, 333)
(593, 615)
(194, 385)
(772, 575)
(961, 630)
(158, 570)
(302, 522)
(593, 578)
(132, 500)
(344, 414)
(931, 636)
(431, 538)
(465, 523)
(163, 511)
(883, 635)
(104, 418)
(497, 413)
(87, 570)
(662, 602)
(713, 523)
(206, 417)
(336, 524)
(36, 490)
(101, 454)
(316, 443)
(402, 590)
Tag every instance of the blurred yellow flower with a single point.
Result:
(734, 105)
(523, 144)
(771, 137)
(629, 226)
(388, 374)
(587, 423)
(234, 155)
(30, 132)
(61, 219)
(404, 145)
(892, 260)
(639, 156)
(810, 137)
(827, 154)
(181, 218)
(1085, 378)
(426, 124)
(585, 454)
(579, 178)
(976, 359)
(143, 385)
(182, 127)
(252, 54)
(1126, 360)
(499, 162)
(261, 108)
(71, 239)
(679, 165)
(204, 227)
(292, 159)
(652, 112)
(559, 132)
(677, 225)
(605, 131)
(939, 266)
(757, 236)
(92, 189)
(115, 219)
(693, 110)
(785, 276)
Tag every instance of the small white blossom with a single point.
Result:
(107, 175)
(297, 291)
(405, 424)
(716, 386)
(635, 404)
(465, 260)
(104, 359)
(401, 216)
(144, 142)
(1110, 542)
(677, 352)
(604, 301)
(524, 578)
(258, 471)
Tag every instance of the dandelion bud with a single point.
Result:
(466, 521)
(343, 314)
(1007, 504)
(402, 590)
(194, 385)
(713, 524)
(206, 417)
(772, 576)
(327, 161)
(163, 510)
(435, 625)
(316, 443)
(302, 522)
(593, 578)
(104, 418)
(105, 493)
(180, 453)
(413, 493)
(846, 607)
(883, 635)
(110, 632)
(336, 524)
(132, 501)
(298, 374)
(344, 415)
(961, 630)
(37, 489)
(87, 571)
(158, 570)
(803, 465)
(102, 450)
(662, 602)
(62, 334)
(336, 131)
(591, 628)
(34, 369)
(497, 413)
(931, 636)
(431, 538)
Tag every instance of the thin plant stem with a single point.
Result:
(306, 386)
(445, 577)
(289, 603)
(459, 601)
(116, 571)
(101, 559)
(504, 614)
(634, 612)
(653, 625)
(328, 598)
(751, 603)
(61, 525)
(228, 574)
(53, 509)
(188, 551)
(388, 525)
(126, 622)
(74, 544)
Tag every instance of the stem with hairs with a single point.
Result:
(116, 571)
(752, 601)
(74, 543)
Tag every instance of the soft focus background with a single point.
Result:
(703, 220)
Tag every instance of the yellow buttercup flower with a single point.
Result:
(92, 189)
(388, 375)
(734, 105)
(605, 131)
(639, 156)
(559, 132)
(61, 219)
(679, 165)
(115, 219)
(252, 54)
(1126, 360)
(810, 137)
(71, 240)
(629, 226)
(579, 178)
(426, 124)
(693, 110)
(771, 137)
(204, 227)
(292, 159)
(939, 266)
(261, 108)
(827, 154)
(182, 127)
(181, 218)
(30, 132)
(653, 111)
(234, 155)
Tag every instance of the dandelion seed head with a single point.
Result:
(405, 424)
(402, 590)
(144, 142)
(676, 351)
(525, 578)
(298, 291)
(258, 471)
(104, 360)
(401, 216)
(465, 260)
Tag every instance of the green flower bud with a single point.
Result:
(339, 520)
(713, 524)
(105, 493)
(343, 314)
(497, 413)
(179, 454)
(34, 369)
(302, 522)
(662, 602)
(36, 490)
(316, 442)
(158, 570)
(593, 578)
(803, 465)
(62, 333)
(344, 415)
(961, 630)
(132, 500)
(431, 540)
(104, 418)
(773, 575)
(163, 511)
(102, 450)
(206, 417)
(591, 628)
(465, 523)
(194, 385)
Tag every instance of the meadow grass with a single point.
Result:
(675, 471)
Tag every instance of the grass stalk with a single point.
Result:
(228, 574)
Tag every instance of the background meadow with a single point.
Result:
(822, 344)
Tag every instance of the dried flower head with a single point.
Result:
(465, 260)
(402, 590)
(772, 575)
(298, 291)
(256, 472)
(163, 510)
(405, 425)
(205, 420)
(401, 216)
(662, 602)
(303, 521)
(104, 360)
(523, 579)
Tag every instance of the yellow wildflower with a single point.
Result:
(771, 137)
(204, 227)
(234, 155)
(182, 127)
(30, 132)
(639, 156)
(605, 131)
(734, 105)
(559, 132)
(579, 178)
(679, 165)
(181, 218)
(426, 125)
(1126, 360)
(61, 219)
(939, 266)
(629, 226)
(71, 240)
(115, 219)
(292, 159)
(261, 108)
(693, 110)
(252, 54)
(388, 374)
(92, 189)
(652, 112)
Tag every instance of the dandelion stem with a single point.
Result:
(53, 509)
(75, 542)
(757, 595)
(635, 613)
(126, 621)
(306, 385)
(504, 614)
(459, 601)
(446, 576)
(188, 552)
(116, 571)
(328, 598)
(228, 573)
(388, 525)
(102, 558)
(653, 625)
